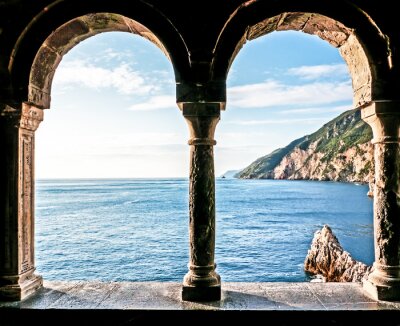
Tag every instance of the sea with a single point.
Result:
(137, 229)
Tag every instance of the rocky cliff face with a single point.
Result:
(339, 151)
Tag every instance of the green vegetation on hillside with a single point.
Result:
(268, 162)
(333, 138)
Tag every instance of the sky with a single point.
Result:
(113, 112)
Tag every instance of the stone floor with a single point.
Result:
(128, 303)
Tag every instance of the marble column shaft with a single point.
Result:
(17, 142)
(201, 283)
(384, 118)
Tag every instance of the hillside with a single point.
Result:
(339, 151)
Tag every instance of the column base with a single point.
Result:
(201, 293)
(201, 287)
(382, 292)
(383, 283)
(388, 291)
(21, 289)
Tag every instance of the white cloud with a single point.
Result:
(128, 140)
(122, 77)
(315, 72)
(156, 103)
(275, 121)
(138, 151)
(273, 93)
(112, 54)
(340, 108)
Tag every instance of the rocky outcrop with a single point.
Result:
(352, 165)
(328, 259)
(339, 151)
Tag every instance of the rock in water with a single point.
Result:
(327, 258)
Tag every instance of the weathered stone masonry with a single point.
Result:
(17, 278)
(201, 40)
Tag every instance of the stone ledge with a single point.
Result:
(120, 303)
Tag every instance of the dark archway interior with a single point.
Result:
(201, 43)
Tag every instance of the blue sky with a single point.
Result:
(113, 112)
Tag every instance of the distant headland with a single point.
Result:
(340, 150)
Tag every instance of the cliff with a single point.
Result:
(339, 151)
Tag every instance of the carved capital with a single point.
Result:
(202, 119)
(31, 117)
(384, 119)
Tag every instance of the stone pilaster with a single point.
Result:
(17, 134)
(384, 118)
(201, 283)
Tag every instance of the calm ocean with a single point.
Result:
(137, 229)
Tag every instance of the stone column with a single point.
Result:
(17, 129)
(201, 283)
(384, 118)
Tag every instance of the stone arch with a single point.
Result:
(31, 66)
(368, 54)
(363, 47)
(59, 26)
(201, 44)
(65, 38)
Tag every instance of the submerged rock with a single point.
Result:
(318, 279)
(328, 259)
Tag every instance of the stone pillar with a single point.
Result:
(17, 129)
(201, 283)
(384, 118)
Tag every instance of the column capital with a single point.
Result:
(31, 117)
(202, 119)
(384, 119)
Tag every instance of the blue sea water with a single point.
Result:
(137, 229)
